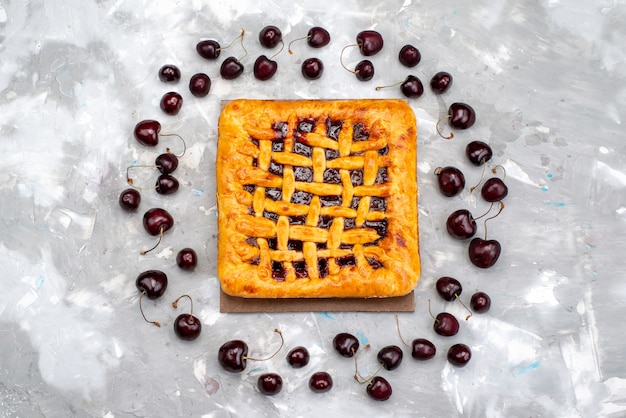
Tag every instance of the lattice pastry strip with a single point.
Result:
(317, 199)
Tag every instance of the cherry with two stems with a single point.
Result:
(152, 284)
(460, 116)
(421, 348)
(233, 354)
(187, 327)
(316, 37)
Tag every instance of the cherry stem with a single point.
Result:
(341, 58)
(175, 306)
(242, 45)
(431, 312)
(485, 214)
(158, 324)
(357, 376)
(181, 140)
(482, 176)
(297, 39)
(378, 88)
(131, 182)
(464, 305)
(282, 46)
(439, 132)
(495, 169)
(491, 217)
(399, 333)
(144, 252)
(282, 342)
(233, 41)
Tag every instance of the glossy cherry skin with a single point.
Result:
(171, 103)
(480, 302)
(318, 37)
(270, 36)
(390, 357)
(459, 355)
(346, 344)
(231, 68)
(200, 84)
(166, 184)
(157, 220)
(451, 180)
(312, 68)
(412, 87)
(152, 283)
(298, 357)
(441, 82)
(169, 73)
(208, 49)
(446, 324)
(370, 42)
(494, 190)
(270, 384)
(364, 70)
(129, 199)
(448, 288)
(379, 389)
(320, 382)
(146, 132)
(264, 68)
(409, 56)
(484, 253)
(461, 224)
(232, 356)
(462, 115)
(166, 163)
(187, 327)
(478, 152)
(187, 259)
(422, 349)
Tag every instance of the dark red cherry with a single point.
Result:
(130, 199)
(446, 324)
(484, 253)
(412, 87)
(390, 357)
(187, 259)
(152, 283)
(232, 356)
(409, 56)
(157, 221)
(480, 302)
(231, 68)
(422, 349)
(208, 49)
(169, 73)
(346, 344)
(318, 37)
(298, 357)
(441, 82)
(462, 115)
(364, 70)
(166, 163)
(264, 68)
(459, 355)
(448, 288)
(166, 184)
(171, 103)
(379, 389)
(312, 68)
(494, 190)
(478, 152)
(200, 85)
(370, 42)
(270, 384)
(451, 180)
(147, 132)
(461, 224)
(187, 327)
(270, 36)
(320, 382)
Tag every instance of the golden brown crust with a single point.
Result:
(305, 189)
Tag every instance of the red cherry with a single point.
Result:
(370, 42)
(484, 253)
(171, 103)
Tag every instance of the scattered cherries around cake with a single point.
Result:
(316, 37)
(312, 68)
(233, 354)
(270, 384)
(169, 73)
(320, 382)
(130, 199)
(187, 259)
(200, 85)
(147, 132)
(441, 82)
(459, 355)
(171, 103)
(152, 284)
(460, 116)
(298, 357)
(346, 344)
(409, 56)
(461, 224)
(186, 326)
(450, 180)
